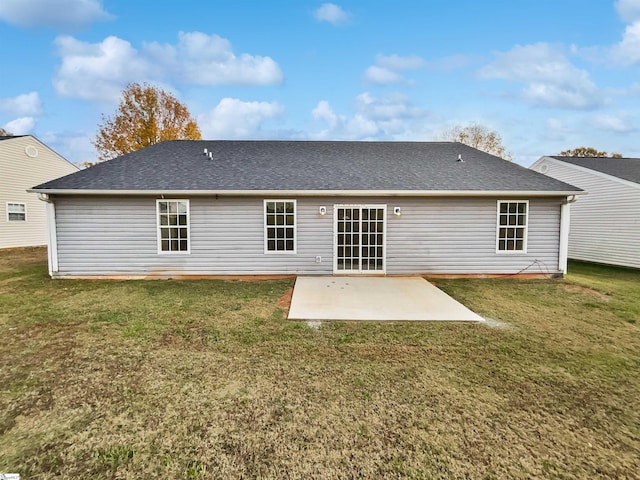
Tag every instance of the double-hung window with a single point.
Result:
(173, 226)
(16, 212)
(512, 226)
(280, 226)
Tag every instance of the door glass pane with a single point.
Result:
(359, 238)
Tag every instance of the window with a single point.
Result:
(16, 212)
(512, 226)
(280, 226)
(173, 225)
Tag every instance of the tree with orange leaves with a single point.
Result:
(146, 115)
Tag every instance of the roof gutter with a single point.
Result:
(312, 193)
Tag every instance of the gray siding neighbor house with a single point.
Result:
(207, 208)
(605, 224)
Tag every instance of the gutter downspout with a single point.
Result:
(52, 239)
(565, 222)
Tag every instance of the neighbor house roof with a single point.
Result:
(307, 166)
(625, 168)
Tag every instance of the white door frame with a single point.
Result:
(359, 271)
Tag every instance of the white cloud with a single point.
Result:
(27, 104)
(382, 76)
(332, 13)
(550, 79)
(99, 71)
(614, 123)
(60, 14)
(387, 117)
(386, 68)
(324, 112)
(202, 59)
(233, 119)
(627, 51)
(396, 62)
(624, 53)
(20, 126)
(389, 107)
(629, 10)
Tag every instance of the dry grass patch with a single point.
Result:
(207, 379)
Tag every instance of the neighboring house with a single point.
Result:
(25, 161)
(182, 208)
(605, 224)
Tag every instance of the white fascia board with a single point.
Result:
(316, 193)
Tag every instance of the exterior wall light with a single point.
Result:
(322, 210)
(397, 211)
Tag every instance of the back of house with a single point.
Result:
(205, 208)
(25, 161)
(605, 224)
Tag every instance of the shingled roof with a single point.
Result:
(625, 168)
(306, 166)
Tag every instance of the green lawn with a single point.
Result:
(207, 379)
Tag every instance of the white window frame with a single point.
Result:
(525, 239)
(16, 203)
(159, 227)
(295, 227)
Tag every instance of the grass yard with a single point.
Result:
(207, 379)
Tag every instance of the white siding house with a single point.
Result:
(605, 224)
(198, 208)
(25, 162)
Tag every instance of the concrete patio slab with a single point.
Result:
(374, 298)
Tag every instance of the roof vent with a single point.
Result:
(208, 154)
(460, 158)
(205, 151)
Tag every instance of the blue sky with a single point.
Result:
(547, 74)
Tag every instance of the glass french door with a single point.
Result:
(359, 238)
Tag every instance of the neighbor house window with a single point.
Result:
(280, 226)
(512, 226)
(16, 212)
(173, 225)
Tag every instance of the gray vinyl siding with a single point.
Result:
(118, 236)
(605, 223)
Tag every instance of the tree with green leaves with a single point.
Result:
(146, 115)
(480, 137)
(588, 152)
